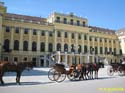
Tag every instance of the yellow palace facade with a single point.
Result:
(27, 38)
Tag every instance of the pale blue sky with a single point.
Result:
(101, 13)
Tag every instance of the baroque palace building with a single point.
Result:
(28, 38)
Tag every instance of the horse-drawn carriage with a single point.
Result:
(58, 72)
(116, 68)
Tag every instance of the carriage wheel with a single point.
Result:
(71, 76)
(120, 71)
(51, 74)
(59, 77)
(110, 71)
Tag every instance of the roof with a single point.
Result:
(26, 18)
(99, 29)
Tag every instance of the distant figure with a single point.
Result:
(123, 62)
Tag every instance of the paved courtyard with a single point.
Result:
(36, 81)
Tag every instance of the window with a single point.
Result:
(58, 19)
(34, 61)
(6, 59)
(73, 36)
(96, 50)
(71, 21)
(85, 37)
(120, 51)
(85, 49)
(26, 31)
(95, 39)
(105, 40)
(65, 21)
(34, 46)
(6, 45)
(114, 51)
(83, 24)
(34, 32)
(15, 59)
(91, 49)
(101, 50)
(78, 23)
(43, 33)
(17, 30)
(79, 49)
(90, 38)
(109, 41)
(50, 34)
(59, 34)
(66, 35)
(58, 47)
(25, 46)
(16, 45)
(50, 47)
(72, 48)
(106, 50)
(7, 29)
(25, 59)
(42, 48)
(100, 40)
(79, 36)
(66, 47)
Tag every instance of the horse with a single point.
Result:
(96, 67)
(17, 67)
(89, 68)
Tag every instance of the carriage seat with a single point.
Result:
(60, 65)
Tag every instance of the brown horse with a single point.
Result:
(18, 67)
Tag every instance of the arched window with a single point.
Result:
(101, 50)
(25, 45)
(71, 22)
(96, 50)
(16, 45)
(58, 47)
(42, 48)
(65, 21)
(85, 49)
(79, 49)
(34, 46)
(66, 47)
(50, 47)
(6, 45)
(72, 48)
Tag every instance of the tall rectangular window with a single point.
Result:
(73, 36)
(17, 30)
(66, 35)
(34, 32)
(50, 34)
(78, 23)
(58, 19)
(26, 31)
(65, 21)
(71, 21)
(83, 24)
(43, 33)
(7, 29)
(59, 34)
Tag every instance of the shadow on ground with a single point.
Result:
(33, 72)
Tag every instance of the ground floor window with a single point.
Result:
(15, 59)
(42, 62)
(5, 58)
(34, 61)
